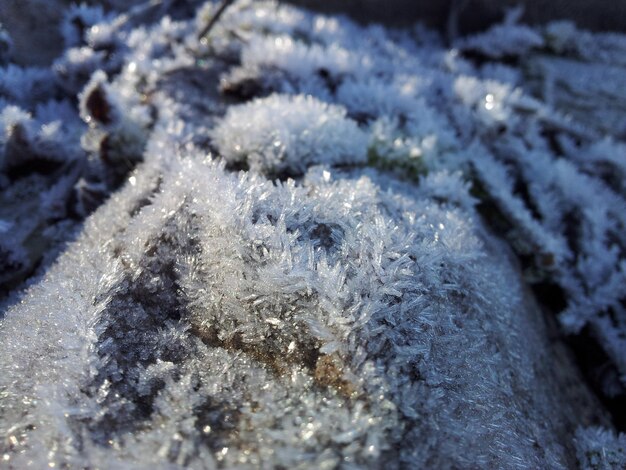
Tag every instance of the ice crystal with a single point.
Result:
(600, 449)
(349, 299)
(219, 311)
(286, 135)
(497, 131)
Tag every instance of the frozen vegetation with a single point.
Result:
(297, 242)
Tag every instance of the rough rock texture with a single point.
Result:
(205, 318)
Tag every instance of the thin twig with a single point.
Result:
(452, 24)
(216, 16)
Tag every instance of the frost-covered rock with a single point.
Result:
(367, 311)
(207, 318)
(432, 109)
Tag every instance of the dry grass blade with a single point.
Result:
(215, 18)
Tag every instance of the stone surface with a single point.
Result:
(181, 327)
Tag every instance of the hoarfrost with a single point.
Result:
(286, 135)
(322, 319)
(363, 308)
(599, 448)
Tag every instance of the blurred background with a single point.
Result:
(33, 23)
(477, 14)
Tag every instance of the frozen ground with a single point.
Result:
(321, 248)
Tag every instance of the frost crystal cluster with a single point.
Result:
(320, 245)
(283, 134)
